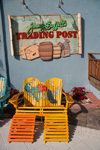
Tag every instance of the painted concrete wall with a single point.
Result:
(74, 69)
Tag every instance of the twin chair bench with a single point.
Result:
(41, 99)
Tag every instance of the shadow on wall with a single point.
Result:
(1, 64)
(83, 37)
(75, 27)
(1, 68)
(15, 43)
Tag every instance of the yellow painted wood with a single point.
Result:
(55, 127)
(48, 129)
(56, 140)
(50, 124)
(58, 116)
(38, 107)
(54, 85)
(59, 111)
(56, 131)
(56, 136)
(38, 103)
(43, 112)
(56, 121)
(29, 111)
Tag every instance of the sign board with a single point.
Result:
(47, 36)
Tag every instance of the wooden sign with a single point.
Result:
(28, 33)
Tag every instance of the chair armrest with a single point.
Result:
(17, 99)
(69, 99)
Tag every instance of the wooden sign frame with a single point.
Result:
(79, 33)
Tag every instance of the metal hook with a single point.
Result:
(60, 3)
(24, 4)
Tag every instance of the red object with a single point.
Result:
(42, 87)
(79, 93)
(13, 92)
(95, 102)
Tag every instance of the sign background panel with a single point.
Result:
(69, 35)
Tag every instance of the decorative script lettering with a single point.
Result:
(46, 26)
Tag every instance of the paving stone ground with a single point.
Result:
(81, 138)
(88, 118)
(87, 115)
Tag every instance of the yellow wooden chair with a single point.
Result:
(42, 95)
(44, 99)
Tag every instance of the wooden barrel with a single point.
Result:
(46, 50)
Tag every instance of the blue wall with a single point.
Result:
(74, 69)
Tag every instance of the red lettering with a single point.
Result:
(18, 36)
(69, 34)
(24, 35)
(58, 34)
(45, 34)
(64, 34)
(40, 35)
(75, 34)
(51, 34)
(30, 37)
(35, 35)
